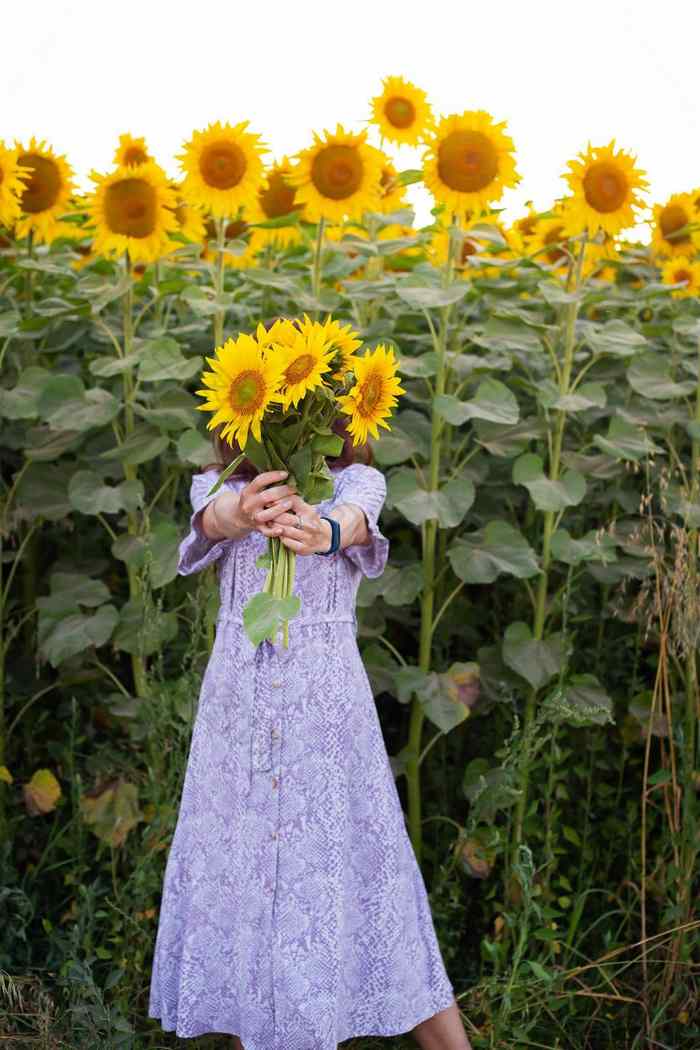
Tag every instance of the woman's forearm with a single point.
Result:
(353, 525)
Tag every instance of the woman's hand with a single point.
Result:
(313, 538)
(233, 515)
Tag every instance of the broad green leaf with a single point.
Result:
(426, 296)
(592, 547)
(264, 615)
(650, 376)
(62, 636)
(401, 585)
(89, 494)
(162, 546)
(22, 402)
(65, 404)
(193, 448)
(163, 359)
(588, 395)
(548, 495)
(448, 504)
(418, 367)
(139, 633)
(537, 661)
(498, 549)
(626, 441)
(493, 401)
(440, 704)
(105, 368)
(580, 702)
(143, 445)
(615, 337)
(112, 813)
(42, 492)
(507, 441)
(409, 680)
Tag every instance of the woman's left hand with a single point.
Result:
(313, 537)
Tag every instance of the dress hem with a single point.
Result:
(386, 1030)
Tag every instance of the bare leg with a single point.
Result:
(442, 1031)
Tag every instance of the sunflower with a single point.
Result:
(130, 152)
(344, 342)
(392, 193)
(133, 209)
(339, 176)
(550, 241)
(465, 249)
(371, 399)
(223, 168)
(521, 232)
(245, 381)
(682, 269)
(668, 221)
(304, 362)
(469, 161)
(604, 184)
(275, 199)
(12, 181)
(190, 221)
(48, 185)
(240, 256)
(402, 111)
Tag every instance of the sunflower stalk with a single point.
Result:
(138, 661)
(568, 331)
(316, 267)
(430, 530)
(219, 279)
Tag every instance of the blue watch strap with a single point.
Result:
(335, 535)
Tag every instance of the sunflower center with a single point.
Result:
(400, 112)
(467, 161)
(236, 229)
(134, 155)
(337, 172)
(527, 225)
(299, 369)
(371, 394)
(468, 248)
(44, 184)
(222, 165)
(277, 198)
(247, 393)
(681, 275)
(181, 214)
(605, 186)
(553, 238)
(672, 219)
(131, 207)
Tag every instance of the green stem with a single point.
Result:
(549, 525)
(430, 528)
(219, 280)
(138, 663)
(316, 268)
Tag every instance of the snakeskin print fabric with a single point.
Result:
(294, 913)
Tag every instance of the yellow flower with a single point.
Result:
(371, 399)
(668, 220)
(520, 232)
(682, 269)
(243, 384)
(604, 184)
(344, 341)
(239, 256)
(190, 221)
(223, 168)
(12, 182)
(338, 177)
(402, 111)
(304, 362)
(133, 209)
(550, 242)
(276, 198)
(392, 193)
(47, 191)
(131, 152)
(469, 161)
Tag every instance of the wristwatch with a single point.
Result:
(335, 535)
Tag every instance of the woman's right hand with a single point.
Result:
(234, 514)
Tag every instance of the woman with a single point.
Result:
(294, 914)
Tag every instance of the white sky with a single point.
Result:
(79, 72)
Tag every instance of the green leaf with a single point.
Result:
(113, 366)
(592, 547)
(440, 704)
(141, 634)
(144, 444)
(402, 584)
(163, 359)
(493, 401)
(425, 296)
(408, 681)
(409, 436)
(418, 367)
(264, 615)
(162, 545)
(327, 444)
(588, 395)
(626, 441)
(588, 702)
(650, 376)
(547, 494)
(615, 337)
(448, 504)
(498, 549)
(535, 661)
(89, 494)
(42, 492)
(63, 635)
(22, 402)
(65, 404)
(193, 448)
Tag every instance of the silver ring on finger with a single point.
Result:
(300, 521)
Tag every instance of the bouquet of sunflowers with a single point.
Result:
(277, 394)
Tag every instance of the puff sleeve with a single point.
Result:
(197, 551)
(365, 486)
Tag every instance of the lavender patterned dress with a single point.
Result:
(294, 913)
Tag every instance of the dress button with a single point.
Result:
(273, 835)
(276, 683)
(275, 733)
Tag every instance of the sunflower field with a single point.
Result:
(533, 642)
